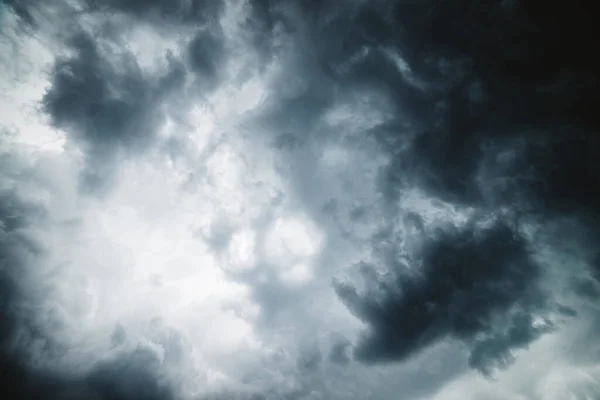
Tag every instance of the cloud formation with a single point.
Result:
(298, 200)
(471, 283)
(103, 100)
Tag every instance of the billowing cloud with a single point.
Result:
(254, 199)
(475, 283)
(103, 100)
(178, 11)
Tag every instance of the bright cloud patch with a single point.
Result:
(291, 245)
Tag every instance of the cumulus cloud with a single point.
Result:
(102, 98)
(472, 283)
(298, 200)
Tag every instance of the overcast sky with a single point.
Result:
(299, 199)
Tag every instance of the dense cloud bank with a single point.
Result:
(299, 199)
(464, 283)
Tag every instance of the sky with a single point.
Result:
(299, 199)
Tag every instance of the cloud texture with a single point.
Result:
(254, 199)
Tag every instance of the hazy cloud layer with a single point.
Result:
(256, 199)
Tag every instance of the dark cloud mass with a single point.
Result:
(177, 11)
(506, 123)
(206, 54)
(487, 110)
(132, 376)
(466, 283)
(106, 104)
(19, 7)
(488, 73)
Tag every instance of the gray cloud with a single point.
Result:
(20, 7)
(339, 352)
(478, 121)
(177, 11)
(483, 86)
(495, 351)
(484, 98)
(106, 103)
(206, 52)
(485, 108)
(131, 376)
(465, 283)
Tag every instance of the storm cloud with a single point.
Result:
(299, 199)
(469, 283)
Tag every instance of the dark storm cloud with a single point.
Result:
(127, 378)
(103, 98)
(132, 376)
(102, 104)
(496, 108)
(20, 7)
(206, 53)
(475, 74)
(495, 352)
(296, 34)
(18, 251)
(24, 322)
(177, 11)
(498, 72)
(493, 109)
(469, 283)
(477, 79)
(107, 105)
